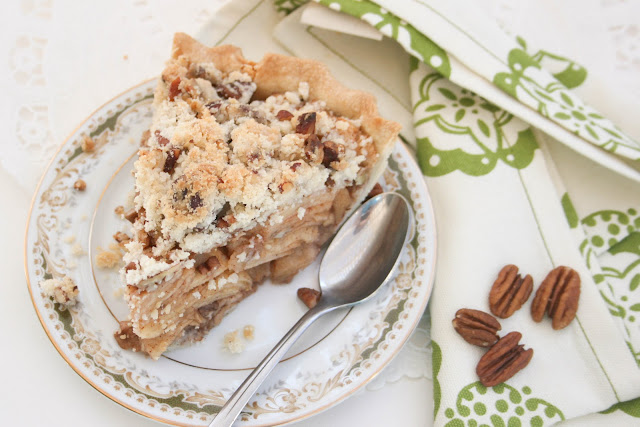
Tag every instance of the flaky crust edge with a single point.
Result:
(277, 73)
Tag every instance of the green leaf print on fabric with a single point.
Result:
(606, 228)
(614, 237)
(479, 133)
(288, 6)
(566, 71)
(630, 407)
(569, 211)
(414, 42)
(531, 84)
(501, 405)
(630, 244)
(436, 362)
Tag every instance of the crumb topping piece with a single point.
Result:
(233, 343)
(63, 291)
(219, 162)
(108, 258)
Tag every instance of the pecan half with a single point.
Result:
(309, 296)
(503, 360)
(509, 292)
(476, 327)
(558, 296)
(306, 123)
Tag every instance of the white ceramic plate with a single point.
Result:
(337, 356)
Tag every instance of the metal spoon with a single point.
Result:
(360, 260)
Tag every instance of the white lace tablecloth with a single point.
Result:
(60, 60)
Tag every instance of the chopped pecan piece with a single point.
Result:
(126, 338)
(309, 296)
(505, 359)
(122, 238)
(161, 139)
(332, 152)
(80, 185)
(195, 201)
(306, 123)
(174, 88)
(330, 182)
(131, 266)
(509, 292)
(131, 215)
(295, 166)
(170, 162)
(476, 327)
(377, 189)
(314, 149)
(284, 115)
(558, 296)
(232, 90)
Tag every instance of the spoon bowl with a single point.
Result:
(362, 256)
(361, 259)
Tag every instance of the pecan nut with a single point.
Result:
(558, 296)
(509, 292)
(309, 296)
(505, 359)
(476, 327)
(306, 123)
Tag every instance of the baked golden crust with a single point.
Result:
(227, 58)
(277, 73)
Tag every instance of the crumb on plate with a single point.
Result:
(63, 291)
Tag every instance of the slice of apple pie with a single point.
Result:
(246, 172)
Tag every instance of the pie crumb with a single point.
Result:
(119, 210)
(233, 343)
(248, 332)
(77, 250)
(108, 259)
(63, 291)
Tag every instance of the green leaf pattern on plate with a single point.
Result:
(466, 132)
(500, 406)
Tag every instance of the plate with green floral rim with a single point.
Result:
(68, 228)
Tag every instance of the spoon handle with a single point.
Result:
(241, 396)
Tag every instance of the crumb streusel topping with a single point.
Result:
(218, 163)
(63, 291)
